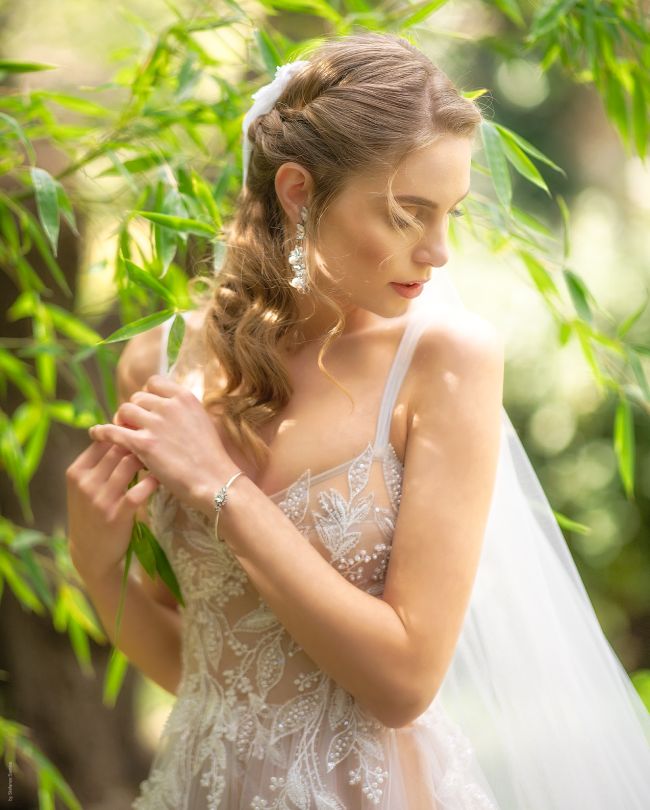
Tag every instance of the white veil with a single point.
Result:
(535, 686)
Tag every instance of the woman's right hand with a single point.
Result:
(101, 507)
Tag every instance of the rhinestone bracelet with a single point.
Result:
(220, 498)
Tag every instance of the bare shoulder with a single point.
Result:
(460, 355)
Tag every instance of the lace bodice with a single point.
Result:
(256, 723)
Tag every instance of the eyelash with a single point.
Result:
(455, 212)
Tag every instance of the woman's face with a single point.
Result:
(363, 251)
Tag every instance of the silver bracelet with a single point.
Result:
(220, 498)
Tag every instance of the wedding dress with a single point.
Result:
(535, 713)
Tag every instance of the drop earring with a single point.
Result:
(297, 257)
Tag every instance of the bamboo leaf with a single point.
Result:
(141, 325)
(528, 147)
(47, 204)
(522, 163)
(579, 294)
(497, 163)
(182, 224)
(140, 276)
(624, 445)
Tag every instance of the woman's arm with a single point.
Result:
(150, 629)
(150, 632)
(391, 653)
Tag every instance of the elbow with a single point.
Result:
(401, 707)
(403, 714)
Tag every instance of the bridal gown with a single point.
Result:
(256, 724)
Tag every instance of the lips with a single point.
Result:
(407, 290)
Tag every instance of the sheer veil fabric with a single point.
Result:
(550, 712)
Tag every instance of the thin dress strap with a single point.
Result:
(396, 375)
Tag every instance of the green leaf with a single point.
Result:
(116, 670)
(35, 447)
(21, 589)
(625, 326)
(136, 327)
(15, 126)
(423, 10)
(548, 16)
(566, 231)
(511, 10)
(12, 66)
(140, 276)
(639, 373)
(528, 147)
(175, 340)
(143, 550)
(518, 158)
(540, 275)
(80, 105)
(80, 646)
(165, 571)
(317, 8)
(71, 326)
(182, 224)
(624, 445)
(497, 163)
(579, 294)
(571, 525)
(615, 103)
(47, 204)
(270, 54)
(640, 113)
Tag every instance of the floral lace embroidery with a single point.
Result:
(221, 702)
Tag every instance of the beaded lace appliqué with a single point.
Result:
(217, 704)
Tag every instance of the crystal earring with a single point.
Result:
(297, 257)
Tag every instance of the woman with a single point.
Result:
(367, 619)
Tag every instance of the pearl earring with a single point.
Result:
(297, 257)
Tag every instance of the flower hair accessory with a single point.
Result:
(264, 99)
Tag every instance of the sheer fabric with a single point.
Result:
(535, 713)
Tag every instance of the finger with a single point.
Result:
(122, 436)
(163, 386)
(90, 456)
(104, 468)
(134, 416)
(146, 400)
(140, 492)
(122, 474)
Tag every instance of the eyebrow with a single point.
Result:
(423, 201)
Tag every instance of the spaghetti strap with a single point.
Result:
(395, 377)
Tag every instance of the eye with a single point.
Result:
(403, 223)
(457, 212)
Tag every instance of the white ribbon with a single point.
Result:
(264, 99)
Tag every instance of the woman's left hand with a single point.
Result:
(170, 431)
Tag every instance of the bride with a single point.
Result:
(379, 608)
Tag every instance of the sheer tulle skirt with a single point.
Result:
(427, 765)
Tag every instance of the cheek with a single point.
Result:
(361, 244)
(373, 243)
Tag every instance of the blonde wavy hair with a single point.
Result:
(364, 103)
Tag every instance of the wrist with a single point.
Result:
(204, 491)
(97, 579)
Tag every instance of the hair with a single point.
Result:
(362, 104)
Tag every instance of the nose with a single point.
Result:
(432, 249)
